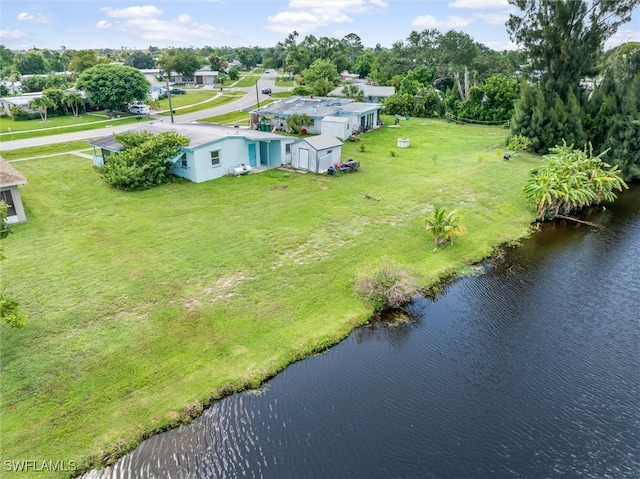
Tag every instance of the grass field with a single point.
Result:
(197, 101)
(21, 130)
(246, 81)
(144, 305)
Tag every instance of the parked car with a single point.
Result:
(139, 108)
(178, 91)
(266, 91)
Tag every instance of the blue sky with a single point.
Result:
(162, 23)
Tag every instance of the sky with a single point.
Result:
(135, 24)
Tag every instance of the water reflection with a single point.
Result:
(530, 371)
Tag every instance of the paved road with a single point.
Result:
(245, 103)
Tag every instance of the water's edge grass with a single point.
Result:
(291, 277)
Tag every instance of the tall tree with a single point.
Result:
(140, 60)
(180, 60)
(113, 86)
(83, 60)
(564, 40)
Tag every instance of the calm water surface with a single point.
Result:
(531, 370)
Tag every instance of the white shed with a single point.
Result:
(338, 126)
(316, 153)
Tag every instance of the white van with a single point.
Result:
(139, 108)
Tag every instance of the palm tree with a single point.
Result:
(73, 100)
(40, 105)
(443, 225)
(351, 90)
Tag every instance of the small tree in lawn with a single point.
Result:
(41, 105)
(73, 100)
(444, 225)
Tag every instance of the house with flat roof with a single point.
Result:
(213, 150)
(361, 116)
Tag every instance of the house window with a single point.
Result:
(215, 158)
(183, 162)
(287, 148)
(329, 152)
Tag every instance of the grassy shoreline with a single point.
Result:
(146, 306)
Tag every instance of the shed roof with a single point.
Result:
(9, 176)
(322, 142)
(336, 119)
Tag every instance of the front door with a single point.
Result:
(252, 155)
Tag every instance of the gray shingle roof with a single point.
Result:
(322, 142)
(9, 176)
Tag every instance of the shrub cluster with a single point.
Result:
(389, 287)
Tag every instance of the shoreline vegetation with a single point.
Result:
(146, 307)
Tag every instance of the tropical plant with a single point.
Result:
(144, 161)
(73, 100)
(571, 180)
(351, 90)
(444, 225)
(41, 105)
(296, 122)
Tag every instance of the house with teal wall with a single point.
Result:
(213, 150)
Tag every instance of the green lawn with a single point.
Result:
(20, 130)
(236, 117)
(144, 303)
(183, 104)
(285, 81)
(246, 81)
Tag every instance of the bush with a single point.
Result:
(390, 287)
(18, 114)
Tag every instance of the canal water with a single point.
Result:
(531, 370)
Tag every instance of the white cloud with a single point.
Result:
(147, 11)
(622, 36)
(452, 22)
(500, 46)
(494, 18)
(37, 18)
(480, 4)
(306, 16)
(146, 23)
(13, 34)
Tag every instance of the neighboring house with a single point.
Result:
(372, 93)
(205, 76)
(346, 76)
(20, 101)
(361, 116)
(10, 179)
(214, 150)
(316, 153)
(234, 63)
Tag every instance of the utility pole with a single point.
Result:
(257, 96)
(169, 96)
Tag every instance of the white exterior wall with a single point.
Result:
(318, 160)
(16, 203)
(233, 151)
(339, 129)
